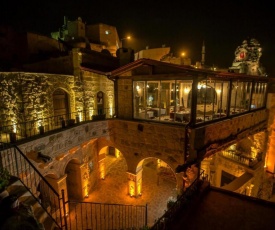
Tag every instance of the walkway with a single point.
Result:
(155, 190)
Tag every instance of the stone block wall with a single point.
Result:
(125, 98)
(28, 96)
(92, 84)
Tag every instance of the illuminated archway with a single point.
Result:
(77, 179)
(160, 170)
(61, 103)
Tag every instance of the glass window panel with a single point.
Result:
(183, 105)
(138, 97)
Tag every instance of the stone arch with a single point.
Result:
(135, 181)
(61, 104)
(59, 84)
(77, 179)
(105, 163)
(100, 102)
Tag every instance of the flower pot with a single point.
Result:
(12, 137)
(70, 122)
(41, 130)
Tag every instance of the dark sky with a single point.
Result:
(181, 25)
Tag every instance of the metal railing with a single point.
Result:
(167, 218)
(87, 215)
(24, 130)
(233, 155)
(19, 166)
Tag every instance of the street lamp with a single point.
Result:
(126, 38)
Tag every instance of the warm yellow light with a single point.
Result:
(117, 153)
(186, 90)
(183, 54)
(199, 86)
(80, 116)
(131, 188)
(218, 91)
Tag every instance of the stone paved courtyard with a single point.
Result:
(156, 190)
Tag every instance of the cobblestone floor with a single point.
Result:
(113, 189)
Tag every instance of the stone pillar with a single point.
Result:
(77, 180)
(270, 157)
(102, 169)
(135, 183)
(59, 185)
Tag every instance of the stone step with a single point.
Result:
(16, 188)
(49, 224)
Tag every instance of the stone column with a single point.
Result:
(59, 185)
(270, 157)
(102, 169)
(77, 180)
(135, 183)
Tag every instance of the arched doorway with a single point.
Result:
(77, 180)
(61, 103)
(158, 184)
(100, 103)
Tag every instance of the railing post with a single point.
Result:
(64, 209)
(146, 213)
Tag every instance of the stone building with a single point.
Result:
(183, 118)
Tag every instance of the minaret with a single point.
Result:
(202, 54)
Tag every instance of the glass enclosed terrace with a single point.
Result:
(203, 100)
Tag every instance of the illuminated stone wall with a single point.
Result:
(125, 99)
(137, 141)
(29, 96)
(92, 84)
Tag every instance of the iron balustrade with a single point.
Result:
(166, 219)
(89, 215)
(248, 161)
(19, 166)
(24, 130)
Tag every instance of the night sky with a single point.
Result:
(182, 25)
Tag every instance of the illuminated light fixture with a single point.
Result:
(219, 91)
(186, 90)
(14, 128)
(199, 86)
(137, 87)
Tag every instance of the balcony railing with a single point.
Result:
(19, 166)
(236, 156)
(166, 220)
(24, 130)
(89, 215)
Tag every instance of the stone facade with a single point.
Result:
(29, 96)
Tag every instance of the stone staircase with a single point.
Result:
(30, 205)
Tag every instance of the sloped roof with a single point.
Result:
(140, 67)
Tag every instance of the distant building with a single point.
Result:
(247, 59)
(99, 37)
(162, 54)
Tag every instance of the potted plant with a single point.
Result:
(171, 201)
(4, 182)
